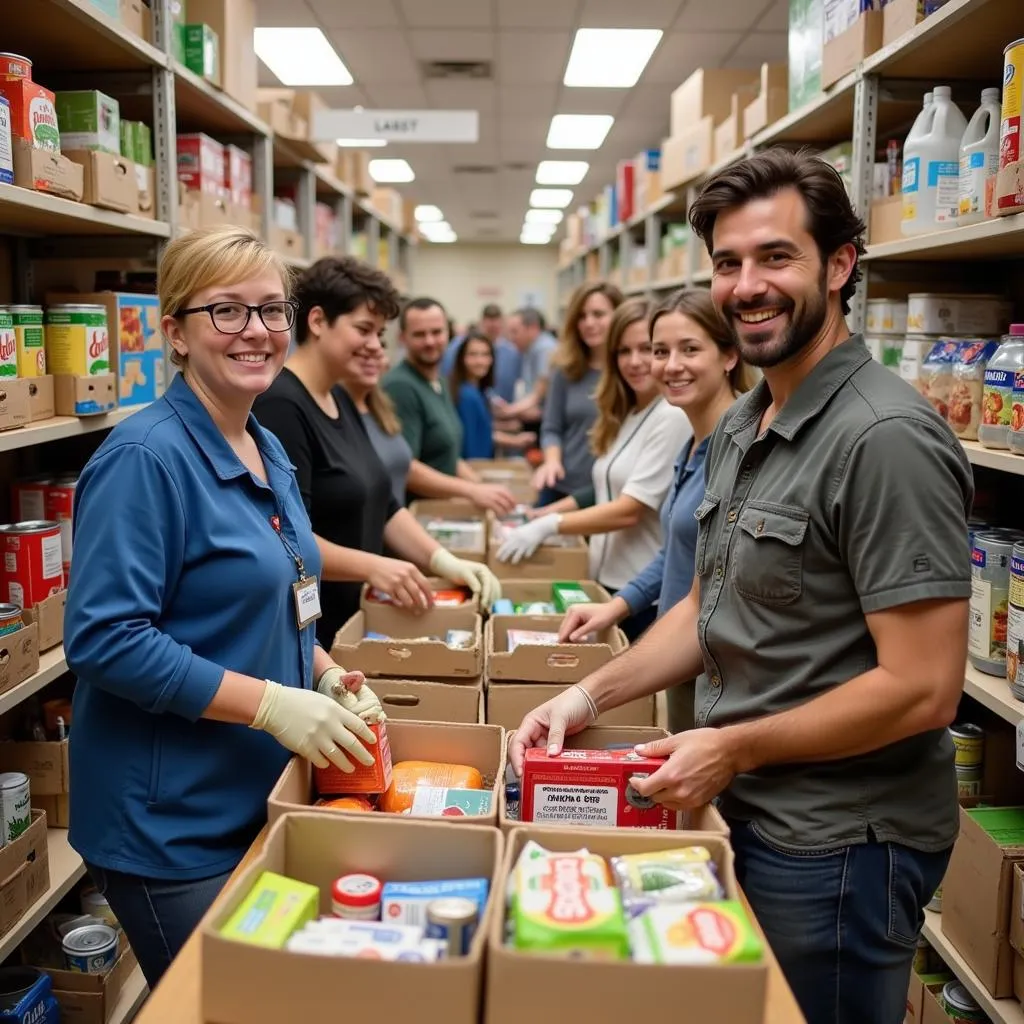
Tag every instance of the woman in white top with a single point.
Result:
(636, 439)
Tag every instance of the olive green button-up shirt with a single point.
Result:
(853, 500)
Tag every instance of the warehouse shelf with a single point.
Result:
(201, 106)
(132, 996)
(59, 427)
(994, 693)
(827, 118)
(990, 458)
(52, 665)
(298, 153)
(27, 212)
(368, 208)
(66, 868)
(991, 239)
(1000, 1011)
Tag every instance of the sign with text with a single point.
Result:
(397, 125)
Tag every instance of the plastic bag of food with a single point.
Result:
(407, 776)
(683, 875)
(936, 375)
(965, 394)
(695, 933)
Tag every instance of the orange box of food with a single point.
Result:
(366, 779)
(33, 115)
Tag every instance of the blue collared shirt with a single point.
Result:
(179, 574)
(669, 576)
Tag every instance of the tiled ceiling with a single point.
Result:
(383, 43)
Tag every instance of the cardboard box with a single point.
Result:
(771, 102)
(45, 171)
(923, 1006)
(436, 584)
(421, 701)
(976, 895)
(88, 119)
(281, 119)
(19, 658)
(24, 872)
(501, 471)
(509, 703)
(138, 18)
(841, 55)
(109, 181)
(708, 92)
(41, 401)
(560, 663)
(529, 591)
(202, 52)
(201, 164)
(688, 154)
(885, 219)
(14, 403)
(407, 654)
(1017, 910)
(479, 746)
(85, 396)
(898, 18)
(568, 561)
(618, 990)
(1018, 978)
(234, 22)
(242, 984)
(48, 615)
(307, 104)
(57, 808)
(44, 762)
(91, 998)
(287, 242)
(455, 510)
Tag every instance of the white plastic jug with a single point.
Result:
(979, 157)
(931, 166)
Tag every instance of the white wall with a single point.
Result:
(467, 277)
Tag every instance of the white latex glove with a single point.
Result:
(314, 726)
(525, 539)
(349, 689)
(547, 726)
(474, 575)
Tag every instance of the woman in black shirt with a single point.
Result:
(341, 478)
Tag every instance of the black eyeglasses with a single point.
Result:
(233, 317)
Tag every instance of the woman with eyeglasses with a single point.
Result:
(191, 614)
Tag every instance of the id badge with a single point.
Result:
(307, 601)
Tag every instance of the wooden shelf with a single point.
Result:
(1000, 1011)
(60, 427)
(994, 693)
(200, 106)
(52, 665)
(991, 239)
(131, 998)
(27, 212)
(991, 458)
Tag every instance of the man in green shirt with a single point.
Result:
(430, 421)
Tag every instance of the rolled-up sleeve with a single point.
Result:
(552, 428)
(130, 534)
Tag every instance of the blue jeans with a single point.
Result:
(843, 922)
(157, 916)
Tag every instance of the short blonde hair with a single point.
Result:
(212, 256)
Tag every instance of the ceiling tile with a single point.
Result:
(539, 57)
(720, 15)
(537, 13)
(284, 13)
(591, 101)
(759, 47)
(519, 100)
(343, 97)
(463, 95)
(397, 96)
(634, 14)
(376, 56)
(448, 45)
(681, 53)
(525, 131)
(444, 13)
(354, 14)
(776, 18)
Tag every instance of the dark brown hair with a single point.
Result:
(832, 220)
(573, 356)
(339, 285)
(614, 398)
(459, 375)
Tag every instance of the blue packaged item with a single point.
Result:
(371, 635)
(503, 606)
(406, 902)
(26, 994)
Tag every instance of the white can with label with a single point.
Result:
(6, 146)
(15, 805)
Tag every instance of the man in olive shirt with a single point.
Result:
(828, 614)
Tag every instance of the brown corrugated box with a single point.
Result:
(687, 154)
(528, 591)
(455, 510)
(19, 658)
(841, 55)
(15, 407)
(509, 703)
(708, 92)
(1017, 910)
(530, 663)
(479, 746)
(42, 403)
(602, 990)
(46, 171)
(109, 181)
(85, 396)
(48, 615)
(91, 998)
(45, 762)
(772, 100)
(569, 560)
(426, 701)
(244, 984)
(885, 219)
(234, 22)
(898, 18)
(24, 872)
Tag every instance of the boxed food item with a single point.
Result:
(88, 119)
(547, 663)
(771, 102)
(687, 154)
(201, 164)
(32, 112)
(373, 778)
(202, 52)
(238, 176)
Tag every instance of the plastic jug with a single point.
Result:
(931, 166)
(979, 157)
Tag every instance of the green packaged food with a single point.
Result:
(565, 595)
(695, 933)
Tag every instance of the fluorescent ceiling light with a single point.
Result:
(579, 131)
(550, 217)
(438, 231)
(391, 172)
(552, 198)
(361, 143)
(427, 214)
(530, 239)
(300, 56)
(561, 172)
(610, 58)
(538, 230)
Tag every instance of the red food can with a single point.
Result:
(28, 499)
(59, 504)
(32, 568)
(13, 65)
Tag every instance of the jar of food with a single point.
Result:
(965, 394)
(356, 897)
(990, 597)
(960, 1005)
(997, 396)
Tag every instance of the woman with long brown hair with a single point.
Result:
(635, 439)
(569, 410)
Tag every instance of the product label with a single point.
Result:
(989, 611)
(53, 562)
(973, 174)
(944, 177)
(1015, 623)
(578, 805)
(1017, 402)
(8, 352)
(910, 368)
(997, 398)
(912, 174)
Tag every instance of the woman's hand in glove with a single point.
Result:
(525, 539)
(314, 726)
(474, 575)
(349, 689)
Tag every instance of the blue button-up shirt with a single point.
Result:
(669, 576)
(179, 574)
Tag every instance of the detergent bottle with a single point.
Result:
(931, 166)
(979, 157)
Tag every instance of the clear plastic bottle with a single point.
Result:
(997, 395)
(979, 157)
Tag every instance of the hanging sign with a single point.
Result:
(397, 125)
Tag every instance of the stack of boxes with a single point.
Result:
(216, 183)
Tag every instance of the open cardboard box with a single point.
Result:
(567, 560)
(245, 984)
(532, 663)
(436, 584)
(841, 55)
(406, 654)
(45, 762)
(85, 396)
(479, 746)
(424, 701)
(91, 998)
(455, 510)
(19, 656)
(15, 404)
(24, 872)
(530, 591)
(688, 153)
(42, 170)
(618, 990)
(772, 100)
(502, 471)
(48, 615)
(898, 18)
(42, 404)
(509, 703)
(109, 181)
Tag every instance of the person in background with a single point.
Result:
(429, 420)
(537, 345)
(195, 588)
(569, 409)
(699, 369)
(636, 439)
(471, 379)
(343, 308)
(507, 358)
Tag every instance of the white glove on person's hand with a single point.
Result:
(349, 689)
(525, 539)
(314, 726)
(474, 575)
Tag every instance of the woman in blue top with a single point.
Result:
(190, 614)
(699, 369)
(472, 379)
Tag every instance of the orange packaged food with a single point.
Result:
(358, 804)
(407, 776)
(368, 779)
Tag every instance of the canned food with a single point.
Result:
(95, 905)
(990, 597)
(886, 316)
(91, 949)
(1015, 623)
(960, 1005)
(356, 897)
(15, 805)
(28, 498)
(59, 507)
(32, 569)
(968, 783)
(13, 65)
(8, 345)
(969, 741)
(77, 340)
(453, 920)
(11, 619)
(28, 337)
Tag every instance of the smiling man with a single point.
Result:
(829, 611)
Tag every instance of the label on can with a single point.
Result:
(8, 346)
(1010, 124)
(77, 341)
(28, 336)
(989, 611)
(1015, 623)
(997, 398)
(6, 145)
(32, 567)
(15, 805)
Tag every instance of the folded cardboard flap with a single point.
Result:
(48, 615)
(45, 171)
(24, 872)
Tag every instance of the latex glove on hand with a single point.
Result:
(525, 539)
(349, 689)
(314, 726)
(474, 575)
(547, 726)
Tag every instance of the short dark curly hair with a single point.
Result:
(339, 285)
(833, 220)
